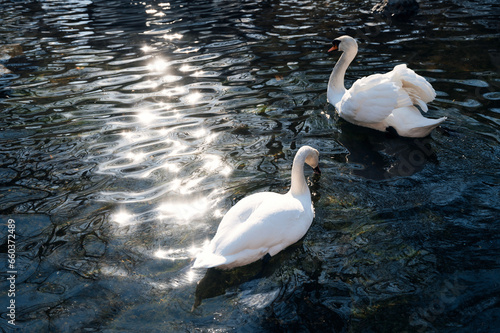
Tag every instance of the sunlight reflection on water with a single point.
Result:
(123, 217)
(178, 254)
(183, 210)
(158, 65)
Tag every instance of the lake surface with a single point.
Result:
(128, 129)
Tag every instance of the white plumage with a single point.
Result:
(380, 101)
(263, 222)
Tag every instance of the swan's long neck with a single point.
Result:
(336, 83)
(299, 184)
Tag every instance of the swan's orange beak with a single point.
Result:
(335, 47)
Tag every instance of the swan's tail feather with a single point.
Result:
(424, 130)
(209, 260)
(409, 122)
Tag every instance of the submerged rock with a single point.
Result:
(94, 246)
(8, 51)
(396, 8)
(15, 195)
(4, 70)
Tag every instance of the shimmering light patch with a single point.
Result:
(199, 133)
(218, 213)
(145, 174)
(128, 135)
(190, 275)
(131, 137)
(186, 50)
(205, 134)
(159, 285)
(146, 49)
(170, 254)
(174, 91)
(184, 210)
(165, 132)
(148, 84)
(162, 254)
(205, 243)
(113, 271)
(185, 279)
(194, 97)
(175, 184)
(226, 171)
(210, 137)
(177, 254)
(146, 116)
(193, 250)
(212, 162)
(171, 78)
(258, 301)
(185, 68)
(122, 217)
(158, 65)
(171, 167)
(181, 90)
(172, 36)
(136, 157)
(177, 147)
(164, 106)
(190, 186)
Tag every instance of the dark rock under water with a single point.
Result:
(398, 9)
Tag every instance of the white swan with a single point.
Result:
(263, 223)
(381, 101)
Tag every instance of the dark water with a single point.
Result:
(127, 129)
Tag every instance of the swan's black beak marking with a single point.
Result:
(317, 170)
(335, 46)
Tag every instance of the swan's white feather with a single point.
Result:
(409, 122)
(370, 99)
(417, 87)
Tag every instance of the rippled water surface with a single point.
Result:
(127, 129)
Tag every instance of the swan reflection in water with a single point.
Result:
(379, 156)
(215, 282)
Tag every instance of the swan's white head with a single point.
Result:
(312, 159)
(345, 44)
(307, 155)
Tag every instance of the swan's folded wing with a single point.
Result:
(270, 224)
(242, 210)
(371, 99)
(418, 89)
